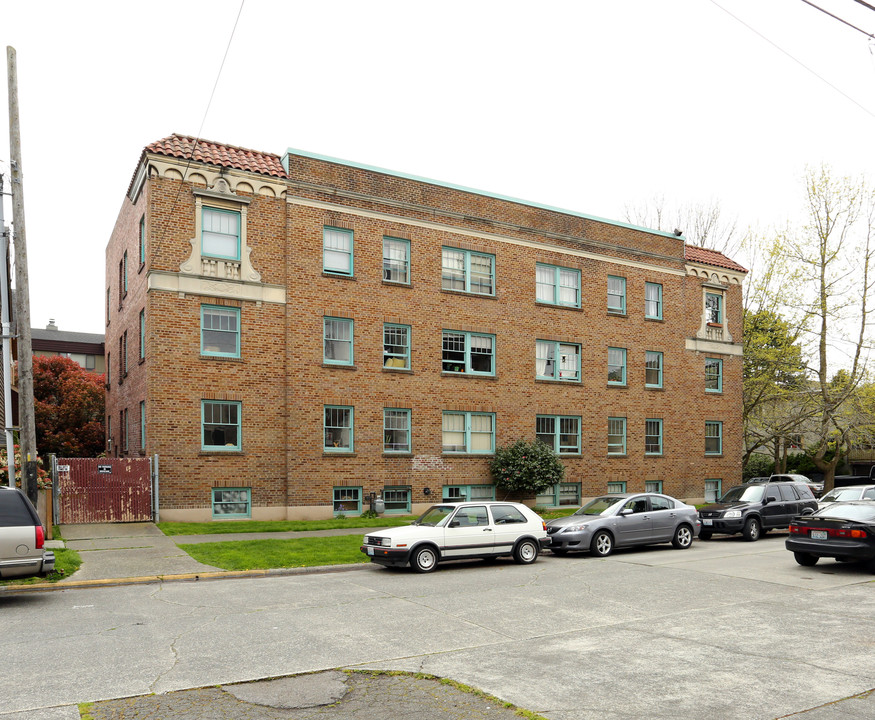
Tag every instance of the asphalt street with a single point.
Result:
(724, 630)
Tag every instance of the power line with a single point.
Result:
(865, 4)
(841, 20)
(794, 59)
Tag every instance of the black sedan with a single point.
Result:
(844, 531)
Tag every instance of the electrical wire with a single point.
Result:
(865, 4)
(794, 59)
(836, 17)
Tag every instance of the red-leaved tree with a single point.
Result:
(69, 405)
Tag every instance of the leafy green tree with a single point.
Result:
(526, 468)
(68, 408)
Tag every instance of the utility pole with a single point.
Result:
(27, 423)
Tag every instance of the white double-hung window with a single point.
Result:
(468, 432)
(220, 233)
(557, 361)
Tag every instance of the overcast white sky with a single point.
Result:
(590, 106)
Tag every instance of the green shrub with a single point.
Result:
(526, 468)
(757, 466)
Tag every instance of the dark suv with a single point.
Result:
(755, 508)
(21, 538)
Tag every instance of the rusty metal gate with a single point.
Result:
(102, 490)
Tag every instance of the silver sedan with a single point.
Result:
(624, 520)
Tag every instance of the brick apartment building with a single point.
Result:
(291, 334)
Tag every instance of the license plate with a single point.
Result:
(819, 535)
(370, 551)
(707, 522)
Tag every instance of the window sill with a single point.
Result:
(221, 358)
(714, 455)
(714, 392)
(571, 455)
(338, 366)
(338, 453)
(618, 455)
(397, 454)
(217, 452)
(617, 313)
(340, 276)
(655, 388)
(550, 381)
(541, 303)
(653, 455)
(480, 376)
(397, 283)
(444, 453)
(407, 371)
(653, 319)
(140, 269)
(714, 325)
(141, 361)
(469, 294)
(618, 386)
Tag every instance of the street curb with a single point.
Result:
(186, 577)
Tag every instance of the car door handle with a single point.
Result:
(487, 529)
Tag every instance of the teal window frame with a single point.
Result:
(217, 419)
(143, 334)
(237, 501)
(616, 436)
(108, 368)
(469, 433)
(714, 308)
(143, 240)
(449, 349)
(142, 424)
(653, 428)
(653, 369)
(331, 324)
(653, 486)
(123, 347)
(346, 269)
(561, 494)
(717, 489)
(125, 272)
(714, 432)
(653, 301)
(332, 415)
(713, 375)
(616, 362)
(209, 212)
(556, 431)
(552, 286)
(450, 274)
(554, 354)
(397, 499)
(393, 264)
(341, 497)
(616, 486)
(395, 422)
(126, 430)
(467, 493)
(212, 317)
(617, 294)
(396, 345)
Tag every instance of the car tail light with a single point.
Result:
(40, 537)
(544, 525)
(831, 532)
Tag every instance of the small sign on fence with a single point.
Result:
(104, 469)
(63, 468)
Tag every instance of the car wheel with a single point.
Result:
(752, 530)
(526, 552)
(602, 544)
(559, 551)
(704, 535)
(425, 559)
(805, 559)
(683, 537)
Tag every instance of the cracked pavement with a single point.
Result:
(726, 629)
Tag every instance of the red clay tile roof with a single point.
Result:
(705, 256)
(182, 146)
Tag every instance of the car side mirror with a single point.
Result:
(767, 500)
(626, 511)
(454, 523)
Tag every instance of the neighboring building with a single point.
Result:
(85, 348)
(291, 335)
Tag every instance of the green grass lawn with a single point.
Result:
(66, 563)
(267, 554)
(247, 526)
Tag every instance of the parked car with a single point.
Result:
(815, 487)
(845, 494)
(455, 531)
(623, 520)
(755, 508)
(21, 538)
(844, 531)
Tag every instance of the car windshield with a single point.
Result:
(435, 516)
(744, 493)
(841, 494)
(599, 506)
(865, 513)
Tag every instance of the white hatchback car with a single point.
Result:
(456, 531)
